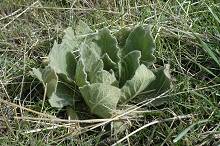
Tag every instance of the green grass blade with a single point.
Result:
(184, 132)
(204, 97)
(207, 49)
(203, 67)
(214, 15)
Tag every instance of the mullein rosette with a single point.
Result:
(108, 69)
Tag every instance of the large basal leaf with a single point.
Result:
(63, 96)
(122, 36)
(80, 75)
(104, 76)
(142, 78)
(90, 55)
(141, 39)
(161, 84)
(62, 60)
(69, 41)
(60, 94)
(128, 66)
(101, 98)
(48, 77)
(96, 68)
(90, 64)
(84, 33)
(108, 44)
(108, 63)
(82, 29)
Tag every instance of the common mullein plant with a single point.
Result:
(108, 70)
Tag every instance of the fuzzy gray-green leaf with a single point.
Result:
(63, 96)
(128, 66)
(142, 78)
(82, 28)
(80, 75)
(104, 76)
(69, 41)
(161, 84)
(48, 77)
(141, 39)
(62, 60)
(101, 98)
(59, 94)
(122, 36)
(108, 63)
(108, 44)
(90, 55)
